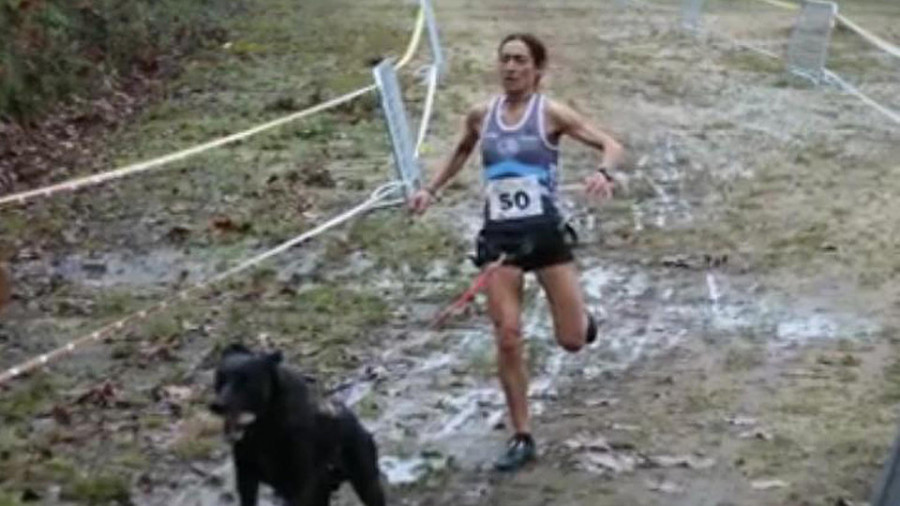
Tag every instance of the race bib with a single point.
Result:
(514, 198)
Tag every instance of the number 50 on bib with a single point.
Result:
(514, 198)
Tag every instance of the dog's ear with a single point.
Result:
(235, 348)
(274, 358)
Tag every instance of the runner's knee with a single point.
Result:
(571, 343)
(509, 337)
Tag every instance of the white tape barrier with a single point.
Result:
(783, 5)
(871, 37)
(849, 88)
(862, 32)
(427, 110)
(374, 201)
(758, 50)
(156, 163)
(414, 41)
(437, 53)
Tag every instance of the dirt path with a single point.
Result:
(745, 275)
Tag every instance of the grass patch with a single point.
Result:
(891, 386)
(751, 62)
(367, 407)
(809, 401)
(705, 398)
(334, 308)
(482, 360)
(197, 437)
(10, 499)
(744, 358)
(396, 241)
(29, 398)
(319, 321)
(99, 488)
(767, 458)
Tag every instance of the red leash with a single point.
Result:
(477, 285)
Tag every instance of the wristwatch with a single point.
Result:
(609, 178)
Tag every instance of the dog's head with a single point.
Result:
(244, 385)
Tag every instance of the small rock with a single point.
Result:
(601, 402)
(741, 421)
(768, 484)
(601, 462)
(624, 427)
(688, 461)
(756, 434)
(665, 486)
(178, 394)
(585, 442)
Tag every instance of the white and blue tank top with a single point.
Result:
(520, 168)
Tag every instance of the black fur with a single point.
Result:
(299, 445)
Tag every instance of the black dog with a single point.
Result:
(285, 436)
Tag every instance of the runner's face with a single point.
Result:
(518, 72)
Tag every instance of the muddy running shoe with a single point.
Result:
(519, 450)
(591, 329)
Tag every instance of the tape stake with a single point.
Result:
(398, 126)
(810, 37)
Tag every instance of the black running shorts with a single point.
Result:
(531, 248)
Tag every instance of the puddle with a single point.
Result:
(406, 471)
(163, 266)
(662, 168)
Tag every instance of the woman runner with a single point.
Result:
(520, 132)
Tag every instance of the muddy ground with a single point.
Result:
(745, 272)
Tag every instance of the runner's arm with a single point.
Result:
(464, 147)
(571, 123)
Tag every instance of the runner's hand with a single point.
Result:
(420, 201)
(597, 185)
